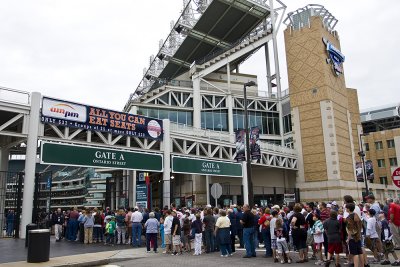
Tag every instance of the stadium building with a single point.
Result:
(181, 135)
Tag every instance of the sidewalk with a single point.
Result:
(88, 259)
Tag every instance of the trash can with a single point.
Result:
(29, 227)
(39, 246)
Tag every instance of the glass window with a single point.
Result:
(173, 116)
(153, 113)
(390, 143)
(182, 117)
(381, 163)
(163, 114)
(383, 180)
(378, 145)
(366, 146)
(393, 162)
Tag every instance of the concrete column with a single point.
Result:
(245, 184)
(117, 191)
(196, 103)
(30, 162)
(133, 188)
(166, 146)
(208, 189)
(229, 102)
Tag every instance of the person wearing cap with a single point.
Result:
(374, 205)
(151, 226)
(272, 226)
(371, 235)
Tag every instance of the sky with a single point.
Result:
(94, 51)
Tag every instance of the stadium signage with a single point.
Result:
(75, 155)
(205, 167)
(335, 57)
(75, 115)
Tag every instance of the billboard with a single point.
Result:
(240, 147)
(255, 151)
(368, 168)
(92, 118)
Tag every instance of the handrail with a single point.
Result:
(225, 136)
(13, 95)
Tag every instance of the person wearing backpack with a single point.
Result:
(121, 227)
(354, 228)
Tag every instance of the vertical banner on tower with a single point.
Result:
(255, 151)
(369, 169)
(240, 147)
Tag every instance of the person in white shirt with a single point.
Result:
(136, 219)
(272, 225)
(371, 235)
(167, 232)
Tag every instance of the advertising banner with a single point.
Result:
(75, 115)
(255, 151)
(369, 168)
(240, 146)
(359, 172)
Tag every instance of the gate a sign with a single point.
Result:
(396, 177)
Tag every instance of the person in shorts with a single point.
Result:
(176, 234)
(282, 247)
(272, 226)
(167, 231)
(387, 243)
(354, 228)
(333, 231)
(317, 230)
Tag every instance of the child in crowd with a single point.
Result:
(110, 230)
(162, 232)
(317, 231)
(333, 231)
(388, 247)
(281, 243)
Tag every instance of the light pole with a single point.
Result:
(248, 160)
(361, 153)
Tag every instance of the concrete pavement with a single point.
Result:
(87, 259)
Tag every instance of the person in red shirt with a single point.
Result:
(394, 224)
(265, 231)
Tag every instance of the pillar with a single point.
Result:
(229, 100)
(166, 145)
(208, 189)
(132, 185)
(196, 103)
(245, 184)
(30, 162)
(117, 192)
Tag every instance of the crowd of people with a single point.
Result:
(324, 230)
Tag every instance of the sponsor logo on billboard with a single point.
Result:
(335, 57)
(63, 110)
(154, 129)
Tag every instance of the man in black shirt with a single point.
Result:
(176, 233)
(247, 221)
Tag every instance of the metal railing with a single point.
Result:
(226, 137)
(259, 30)
(14, 96)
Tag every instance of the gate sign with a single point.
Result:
(75, 155)
(91, 118)
(396, 177)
